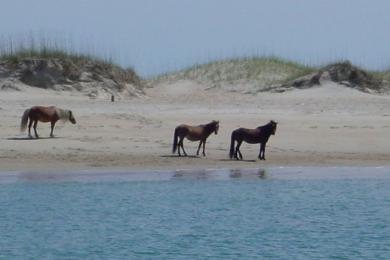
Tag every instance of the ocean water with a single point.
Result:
(274, 213)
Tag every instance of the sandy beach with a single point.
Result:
(328, 125)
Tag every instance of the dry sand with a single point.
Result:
(330, 125)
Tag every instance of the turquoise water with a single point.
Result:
(277, 213)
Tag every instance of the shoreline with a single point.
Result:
(219, 174)
(175, 163)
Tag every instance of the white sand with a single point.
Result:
(329, 125)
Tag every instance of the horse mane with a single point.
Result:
(211, 124)
(63, 114)
(268, 127)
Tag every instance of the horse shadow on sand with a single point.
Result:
(178, 156)
(198, 157)
(31, 138)
(234, 160)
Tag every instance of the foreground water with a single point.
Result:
(281, 213)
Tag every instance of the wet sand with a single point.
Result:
(245, 174)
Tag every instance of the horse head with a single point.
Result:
(71, 117)
(216, 123)
(273, 126)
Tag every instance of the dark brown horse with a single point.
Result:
(193, 133)
(44, 114)
(260, 135)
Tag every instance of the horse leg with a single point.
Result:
(238, 154)
(52, 128)
(204, 148)
(182, 146)
(200, 143)
(262, 151)
(29, 128)
(179, 146)
(35, 128)
(236, 151)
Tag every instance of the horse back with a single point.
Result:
(192, 133)
(44, 114)
(252, 136)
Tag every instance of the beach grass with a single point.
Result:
(48, 52)
(257, 70)
(14, 51)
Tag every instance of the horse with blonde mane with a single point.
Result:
(44, 114)
(193, 133)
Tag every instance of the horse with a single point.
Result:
(260, 135)
(44, 114)
(193, 133)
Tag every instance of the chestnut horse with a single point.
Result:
(260, 135)
(193, 133)
(44, 114)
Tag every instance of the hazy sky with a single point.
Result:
(155, 36)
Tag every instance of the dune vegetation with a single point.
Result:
(52, 66)
(254, 70)
(247, 74)
(258, 74)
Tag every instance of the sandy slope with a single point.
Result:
(328, 125)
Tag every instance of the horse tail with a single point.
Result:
(231, 153)
(175, 137)
(23, 123)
